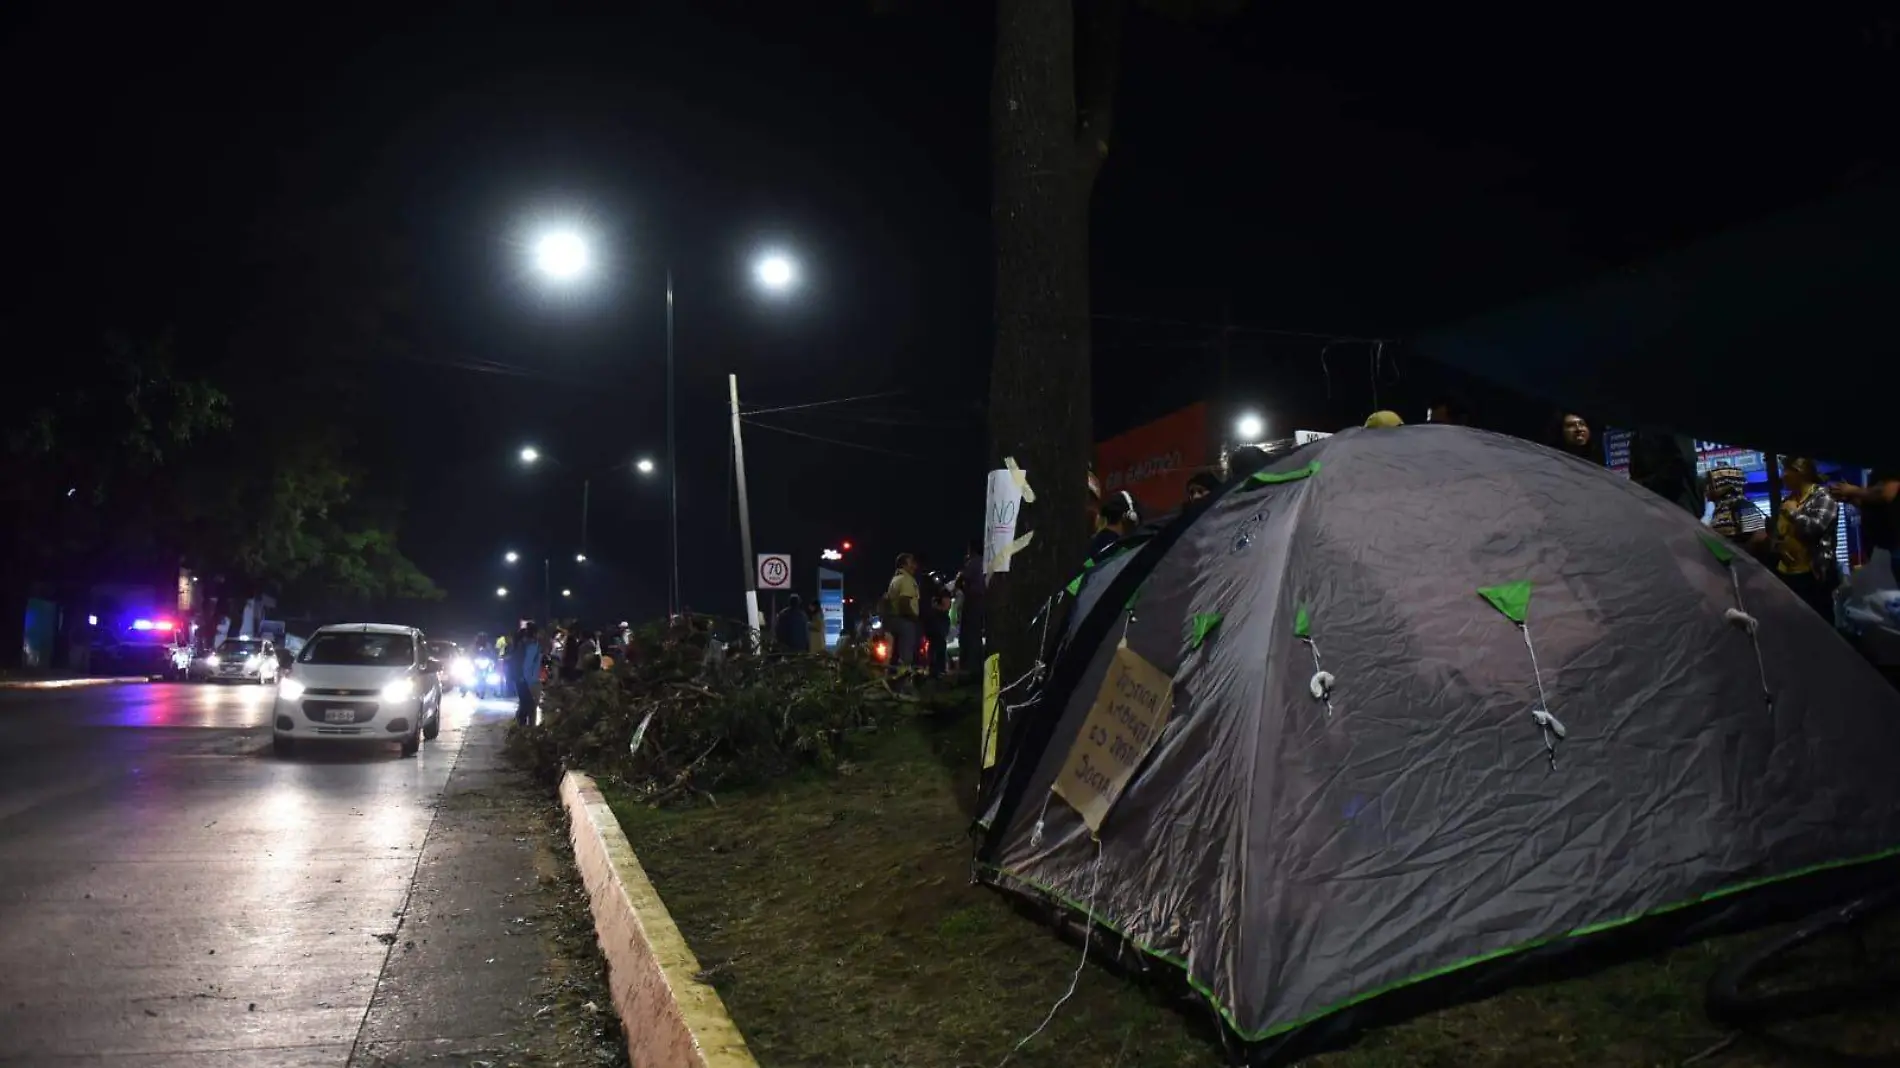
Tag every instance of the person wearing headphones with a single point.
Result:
(1119, 517)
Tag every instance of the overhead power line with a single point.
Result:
(879, 449)
(823, 403)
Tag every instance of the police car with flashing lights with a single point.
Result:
(360, 681)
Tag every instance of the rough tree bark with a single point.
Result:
(1049, 135)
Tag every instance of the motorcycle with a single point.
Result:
(485, 676)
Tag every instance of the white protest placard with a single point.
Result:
(1125, 722)
(1002, 504)
(775, 571)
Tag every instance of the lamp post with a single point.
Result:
(547, 583)
(531, 456)
(564, 256)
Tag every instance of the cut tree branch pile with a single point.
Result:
(704, 718)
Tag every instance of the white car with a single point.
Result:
(363, 682)
(242, 660)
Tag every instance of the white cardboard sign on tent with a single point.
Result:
(1123, 725)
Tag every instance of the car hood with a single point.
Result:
(345, 676)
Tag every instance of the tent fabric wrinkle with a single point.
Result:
(1317, 842)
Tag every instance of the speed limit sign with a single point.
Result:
(775, 571)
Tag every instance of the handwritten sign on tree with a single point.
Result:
(1123, 724)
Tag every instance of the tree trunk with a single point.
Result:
(1044, 164)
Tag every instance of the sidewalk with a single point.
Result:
(494, 962)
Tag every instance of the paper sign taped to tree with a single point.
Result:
(1002, 505)
(1126, 720)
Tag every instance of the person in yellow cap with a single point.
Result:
(1384, 418)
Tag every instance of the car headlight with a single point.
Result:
(400, 690)
(212, 660)
(289, 689)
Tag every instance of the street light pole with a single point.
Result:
(745, 520)
(672, 465)
(547, 594)
(586, 484)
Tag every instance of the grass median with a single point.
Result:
(835, 914)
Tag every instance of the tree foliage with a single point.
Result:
(85, 439)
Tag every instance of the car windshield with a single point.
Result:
(360, 649)
(233, 647)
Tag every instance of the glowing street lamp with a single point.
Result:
(580, 558)
(776, 272)
(562, 255)
(567, 593)
(644, 466)
(530, 454)
(512, 556)
(1250, 428)
(501, 591)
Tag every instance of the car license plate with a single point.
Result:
(339, 715)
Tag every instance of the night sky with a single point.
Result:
(1291, 182)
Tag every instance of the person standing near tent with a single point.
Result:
(1201, 487)
(1804, 536)
(972, 584)
(1573, 436)
(900, 615)
(1879, 504)
(1119, 518)
(1664, 464)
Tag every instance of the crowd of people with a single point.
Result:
(1800, 544)
(535, 655)
(919, 608)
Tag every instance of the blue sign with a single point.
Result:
(831, 605)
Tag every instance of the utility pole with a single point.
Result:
(672, 465)
(586, 485)
(547, 593)
(745, 520)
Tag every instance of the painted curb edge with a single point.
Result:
(671, 1019)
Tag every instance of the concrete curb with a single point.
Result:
(672, 1020)
(67, 684)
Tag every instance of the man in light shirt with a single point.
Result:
(901, 615)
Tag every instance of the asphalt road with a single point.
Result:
(170, 893)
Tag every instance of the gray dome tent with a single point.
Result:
(1412, 713)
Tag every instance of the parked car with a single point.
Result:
(244, 660)
(363, 682)
(143, 647)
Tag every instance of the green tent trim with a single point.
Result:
(1075, 584)
(1302, 623)
(1268, 478)
(1508, 951)
(1202, 625)
(1722, 552)
(1512, 598)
